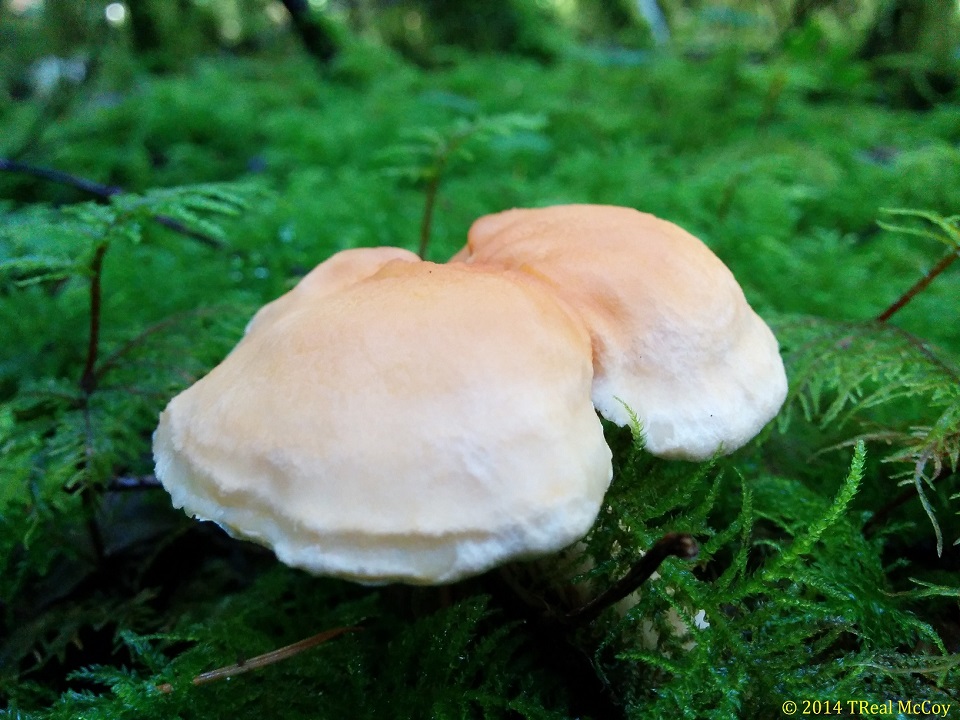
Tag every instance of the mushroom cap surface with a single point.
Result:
(336, 273)
(673, 337)
(420, 424)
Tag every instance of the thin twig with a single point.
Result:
(61, 178)
(918, 287)
(672, 544)
(111, 360)
(431, 198)
(274, 656)
(87, 496)
(88, 381)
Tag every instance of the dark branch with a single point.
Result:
(672, 544)
(90, 187)
(88, 381)
(919, 286)
(112, 360)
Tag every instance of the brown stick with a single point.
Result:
(676, 544)
(61, 178)
(260, 661)
(112, 360)
(919, 286)
(88, 381)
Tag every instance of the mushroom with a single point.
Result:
(396, 420)
(674, 340)
(390, 419)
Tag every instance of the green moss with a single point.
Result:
(107, 594)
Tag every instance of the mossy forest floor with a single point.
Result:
(819, 576)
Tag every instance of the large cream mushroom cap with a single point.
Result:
(419, 424)
(674, 339)
(337, 273)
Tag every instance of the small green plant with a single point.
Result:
(426, 154)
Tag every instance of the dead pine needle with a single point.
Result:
(274, 656)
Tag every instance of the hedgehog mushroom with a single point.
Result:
(673, 337)
(391, 420)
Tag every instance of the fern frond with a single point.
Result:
(948, 227)
(840, 369)
(859, 374)
(804, 544)
(42, 244)
(423, 153)
(192, 206)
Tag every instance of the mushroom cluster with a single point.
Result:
(396, 420)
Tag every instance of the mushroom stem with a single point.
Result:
(678, 545)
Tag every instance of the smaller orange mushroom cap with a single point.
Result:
(673, 337)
